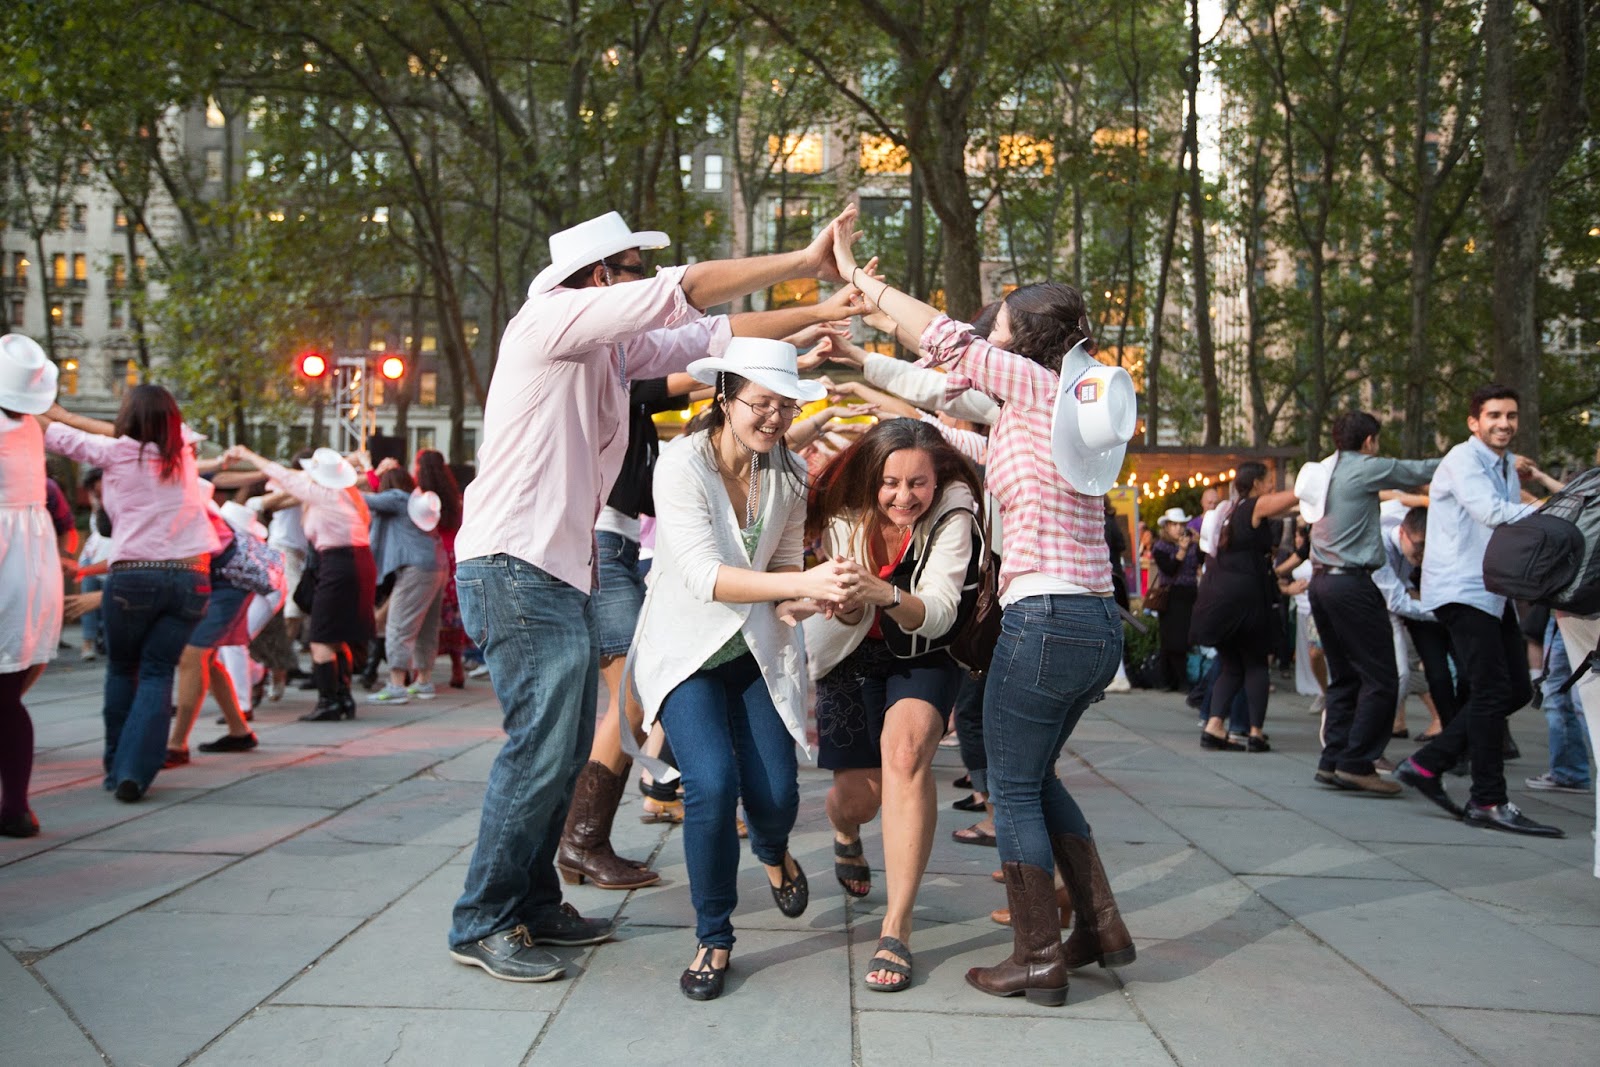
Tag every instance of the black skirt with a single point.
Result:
(341, 607)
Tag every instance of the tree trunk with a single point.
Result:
(1205, 344)
(1421, 240)
(917, 238)
(1152, 365)
(1516, 183)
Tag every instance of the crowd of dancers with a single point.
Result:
(946, 562)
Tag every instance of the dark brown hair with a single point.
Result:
(1047, 320)
(396, 478)
(1485, 393)
(715, 416)
(150, 415)
(433, 476)
(1351, 430)
(851, 479)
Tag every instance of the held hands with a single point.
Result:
(847, 302)
(794, 612)
(822, 254)
(819, 333)
(844, 237)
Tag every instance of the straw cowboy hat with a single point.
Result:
(590, 242)
(1095, 416)
(328, 468)
(27, 376)
(770, 364)
(1311, 486)
(241, 517)
(424, 508)
(1174, 515)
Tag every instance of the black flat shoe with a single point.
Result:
(704, 982)
(230, 743)
(793, 893)
(1508, 817)
(1218, 744)
(1256, 744)
(328, 712)
(1401, 734)
(24, 825)
(964, 782)
(971, 803)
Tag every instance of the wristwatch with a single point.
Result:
(896, 602)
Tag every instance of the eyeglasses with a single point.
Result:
(765, 411)
(638, 270)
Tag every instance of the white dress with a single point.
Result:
(30, 568)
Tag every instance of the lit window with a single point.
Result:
(713, 168)
(428, 390)
(67, 380)
(880, 155)
(58, 312)
(19, 272)
(424, 437)
(797, 153)
(213, 164)
(80, 270)
(58, 269)
(215, 119)
(138, 270)
(1018, 150)
(120, 223)
(119, 272)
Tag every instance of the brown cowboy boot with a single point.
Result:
(1099, 935)
(1034, 968)
(1063, 904)
(585, 850)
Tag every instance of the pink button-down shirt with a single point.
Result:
(1048, 527)
(331, 518)
(151, 517)
(555, 428)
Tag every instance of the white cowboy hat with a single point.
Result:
(1311, 486)
(424, 508)
(1175, 515)
(241, 517)
(328, 468)
(590, 242)
(770, 364)
(27, 376)
(1095, 416)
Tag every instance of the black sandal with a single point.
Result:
(852, 851)
(704, 982)
(793, 893)
(902, 971)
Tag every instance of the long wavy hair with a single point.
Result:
(850, 481)
(433, 476)
(1047, 320)
(150, 415)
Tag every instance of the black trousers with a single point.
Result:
(969, 731)
(1363, 680)
(1494, 658)
(1432, 642)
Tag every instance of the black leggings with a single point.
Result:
(969, 731)
(1242, 666)
(16, 746)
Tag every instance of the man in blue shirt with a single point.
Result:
(1475, 489)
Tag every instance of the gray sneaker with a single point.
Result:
(564, 926)
(1549, 783)
(390, 694)
(509, 955)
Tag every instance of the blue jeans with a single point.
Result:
(1569, 749)
(149, 615)
(1055, 656)
(731, 745)
(93, 620)
(538, 636)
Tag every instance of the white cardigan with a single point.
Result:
(681, 626)
(830, 640)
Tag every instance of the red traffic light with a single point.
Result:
(392, 368)
(313, 364)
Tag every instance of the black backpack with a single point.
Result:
(1551, 557)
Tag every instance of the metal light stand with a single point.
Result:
(354, 410)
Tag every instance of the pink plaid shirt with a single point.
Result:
(1047, 526)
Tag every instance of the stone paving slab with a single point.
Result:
(892, 1037)
(1250, 841)
(1507, 1036)
(228, 829)
(337, 1037)
(34, 1028)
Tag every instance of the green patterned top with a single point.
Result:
(736, 645)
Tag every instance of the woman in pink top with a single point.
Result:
(1061, 634)
(160, 579)
(336, 520)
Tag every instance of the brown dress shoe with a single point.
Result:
(1034, 968)
(1063, 904)
(585, 851)
(1368, 783)
(1098, 934)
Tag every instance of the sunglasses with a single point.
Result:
(638, 270)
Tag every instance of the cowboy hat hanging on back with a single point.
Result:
(591, 242)
(1095, 416)
(27, 376)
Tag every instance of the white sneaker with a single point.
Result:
(390, 694)
(1119, 684)
(88, 655)
(422, 690)
(1549, 783)
(1317, 705)
(480, 671)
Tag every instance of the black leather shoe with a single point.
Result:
(1430, 786)
(24, 825)
(328, 711)
(564, 926)
(1256, 744)
(705, 981)
(1509, 818)
(129, 791)
(793, 893)
(231, 743)
(1218, 744)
